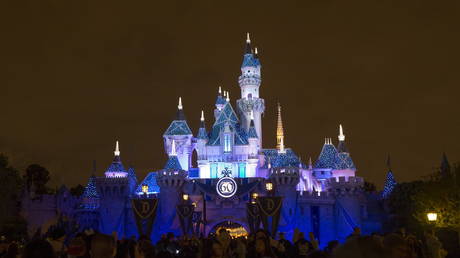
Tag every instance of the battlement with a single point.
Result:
(285, 176)
(316, 195)
(169, 178)
(343, 185)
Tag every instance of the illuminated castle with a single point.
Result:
(323, 197)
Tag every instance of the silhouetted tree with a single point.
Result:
(77, 190)
(36, 177)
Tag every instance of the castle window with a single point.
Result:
(227, 143)
(242, 170)
(213, 170)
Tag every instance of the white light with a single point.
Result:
(202, 115)
(248, 40)
(117, 149)
(341, 135)
(180, 104)
(432, 216)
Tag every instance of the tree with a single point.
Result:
(369, 187)
(11, 185)
(36, 178)
(390, 184)
(77, 190)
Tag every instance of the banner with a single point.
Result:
(252, 213)
(144, 213)
(269, 211)
(185, 212)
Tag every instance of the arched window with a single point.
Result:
(194, 159)
(250, 96)
(227, 142)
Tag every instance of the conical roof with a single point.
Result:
(173, 163)
(328, 156)
(90, 189)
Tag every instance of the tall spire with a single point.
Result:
(180, 111)
(173, 148)
(280, 132)
(220, 90)
(445, 166)
(248, 49)
(202, 116)
(180, 104)
(117, 149)
(341, 135)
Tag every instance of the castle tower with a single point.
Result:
(220, 103)
(249, 82)
(344, 164)
(180, 132)
(325, 163)
(116, 169)
(201, 141)
(170, 180)
(280, 133)
(87, 213)
(253, 140)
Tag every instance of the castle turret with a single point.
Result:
(249, 82)
(325, 163)
(116, 169)
(344, 163)
(180, 132)
(201, 141)
(170, 180)
(220, 102)
(253, 141)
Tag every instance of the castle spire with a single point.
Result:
(280, 132)
(341, 135)
(220, 90)
(248, 49)
(117, 149)
(202, 116)
(180, 104)
(228, 96)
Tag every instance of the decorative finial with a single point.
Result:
(220, 90)
(310, 164)
(117, 149)
(173, 148)
(280, 132)
(248, 39)
(180, 104)
(228, 96)
(255, 51)
(341, 135)
(202, 116)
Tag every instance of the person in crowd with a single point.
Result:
(103, 246)
(38, 248)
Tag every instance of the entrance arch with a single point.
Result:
(235, 229)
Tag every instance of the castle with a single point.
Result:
(324, 197)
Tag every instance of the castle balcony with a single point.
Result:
(249, 80)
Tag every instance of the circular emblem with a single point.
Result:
(226, 187)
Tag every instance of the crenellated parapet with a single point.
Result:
(171, 179)
(344, 186)
(285, 176)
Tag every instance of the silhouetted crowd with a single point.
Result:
(222, 245)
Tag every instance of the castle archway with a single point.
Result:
(235, 229)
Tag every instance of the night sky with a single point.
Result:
(77, 75)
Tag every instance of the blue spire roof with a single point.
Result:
(90, 189)
(202, 134)
(252, 130)
(178, 127)
(327, 158)
(173, 163)
(249, 60)
(344, 161)
(276, 159)
(116, 165)
(220, 100)
(227, 116)
(151, 181)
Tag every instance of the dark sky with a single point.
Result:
(77, 75)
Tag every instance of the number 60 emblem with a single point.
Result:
(226, 187)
